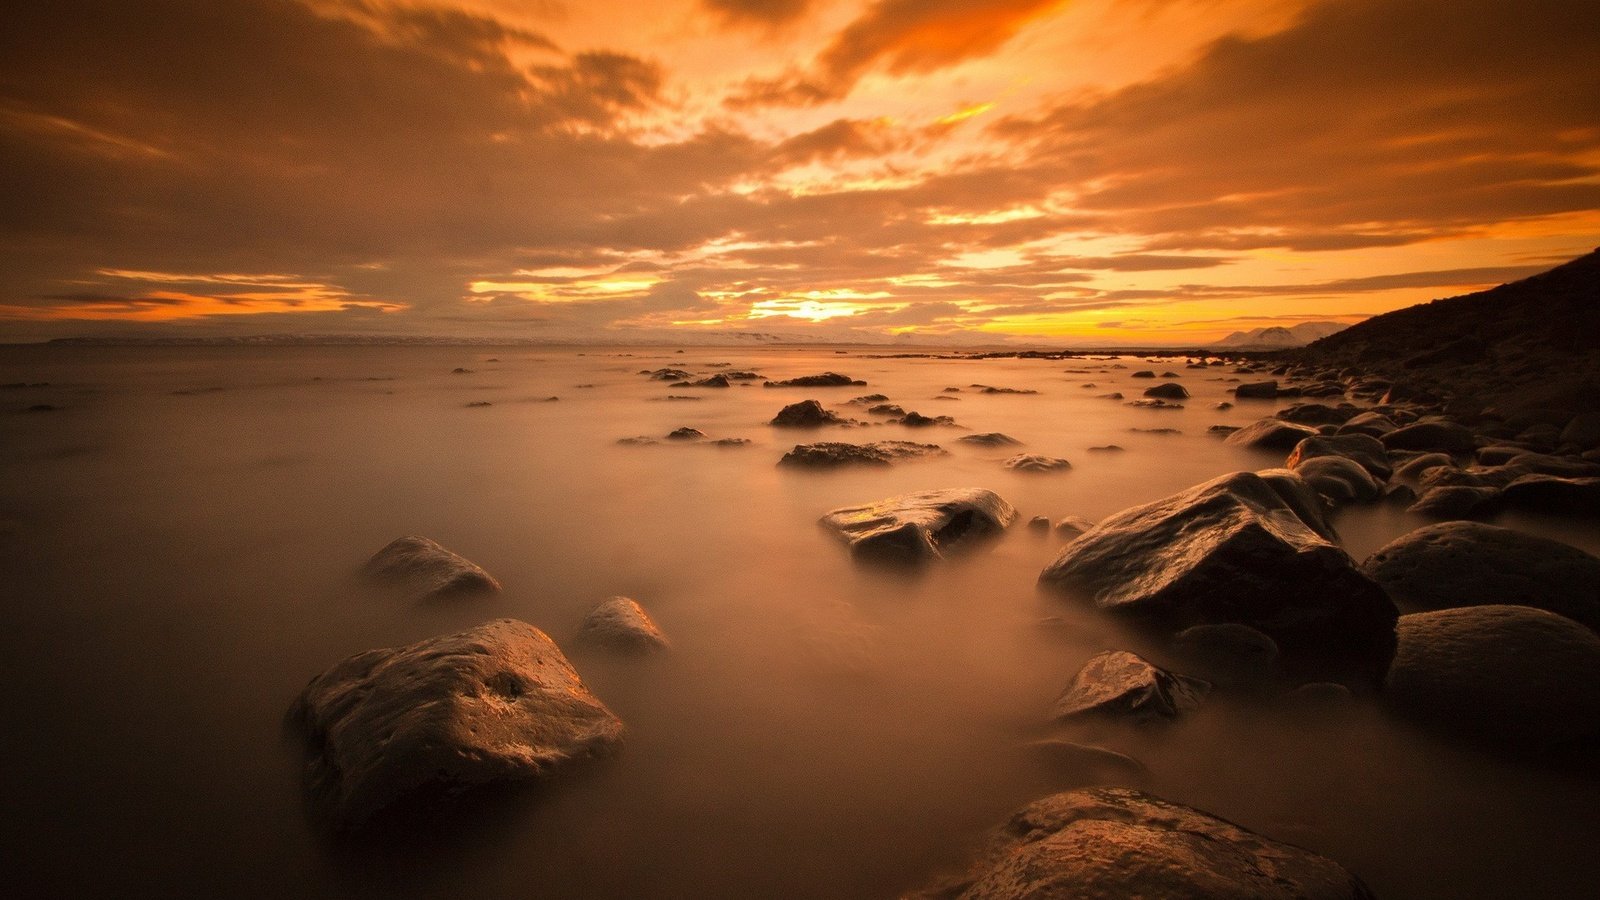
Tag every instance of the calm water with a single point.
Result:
(178, 546)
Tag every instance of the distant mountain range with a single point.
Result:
(1276, 337)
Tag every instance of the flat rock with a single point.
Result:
(1245, 548)
(1126, 687)
(428, 570)
(1271, 434)
(415, 725)
(621, 624)
(1505, 675)
(1033, 462)
(834, 454)
(1456, 564)
(920, 527)
(1109, 843)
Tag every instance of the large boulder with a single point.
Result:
(622, 625)
(1271, 434)
(1507, 675)
(1440, 436)
(835, 454)
(1107, 843)
(401, 728)
(1235, 549)
(920, 527)
(427, 570)
(1362, 448)
(1123, 686)
(1471, 564)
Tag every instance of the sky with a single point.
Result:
(1092, 172)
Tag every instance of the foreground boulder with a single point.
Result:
(835, 454)
(408, 727)
(1122, 843)
(1123, 686)
(1241, 548)
(427, 570)
(622, 625)
(1506, 675)
(1271, 434)
(1471, 564)
(920, 527)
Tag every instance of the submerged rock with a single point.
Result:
(1455, 564)
(1072, 526)
(806, 414)
(915, 419)
(1124, 686)
(1112, 842)
(410, 726)
(920, 527)
(833, 454)
(1271, 434)
(989, 439)
(1087, 763)
(1505, 675)
(428, 570)
(686, 434)
(826, 379)
(1245, 548)
(1033, 462)
(1228, 655)
(621, 624)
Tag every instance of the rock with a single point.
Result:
(1123, 686)
(686, 434)
(1087, 762)
(640, 441)
(389, 729)
(1271, 434)
(920, 527)
(1368, 423)
(870, 399)
(989, 439)
(1168, 391)
(1546, 464)
(1317, 414)
(1228, 655)
(1360, 448)
(1506, 675)
(668, 374)
(886, 409)
(1551, 494)
(826, 379)
(988, 389)
(1444, 437)
(1418, 466)
(1224, 405)
(1222, 430)
(1040, 524)
(1583, 431)
(1072, 526)
(915, 419)
(1155, 404)
(805, 414)
(621, 624)
(1257, 390)
(1456, 502)
(1245, 548)
(428, 570)
(1340, 479)
(1112, 396)
(1143, 374)
(1115, 842)
(1401, 495)
(1456, 564)
(1032, 462)
(833, 454)
(1106, 448)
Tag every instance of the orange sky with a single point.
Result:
(1080, 171)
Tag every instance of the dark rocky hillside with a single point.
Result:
(1530, 343)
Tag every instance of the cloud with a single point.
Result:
(758, 12)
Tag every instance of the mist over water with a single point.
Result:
(180, 540)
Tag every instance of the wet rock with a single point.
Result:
(1443, 437)
(1146, 373)
(1123, 686)
(715, 381)
(667, 374)
(460, 371)
(1369, 423)
(1507, 675)
(1553, 495)
(1339, 479)
(478, 404)
(826, 379)
(886, 409)
(1317, 414)
(1227, 655)
(1040, 524)
(1150, 403)
(1245, 548)
(834, 454)
(989, 389)
(1113, 842)
(1456, 502)
(1107, 448)
(1257, 390)
(427, 570)
(1546, 464)
(1455, 564)
(686, 434)
(990, 439)
(729, 442)
(622, 625)
(1032, 462)
(915, 419)
(1222, 430)
(415, 725)
(1418, 466)
(1401, 495)
(869, 399)
(1582, 431)
(1359, 448)
(1072, 526)
(1168, 391)
(1271, 434)
(1112, 396)
(806, 414)
(1224, 405)
(920, 527)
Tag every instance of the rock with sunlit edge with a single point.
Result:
(1339, 479)
(1115, 842)
(1247, 548)
(1168, 391)
(806, 414)
(922, 527)
(1125, 687)
(403, 730)
(1362, 448)
(620, 624)
(427, 570)
(1036, 463)
(1271, 434)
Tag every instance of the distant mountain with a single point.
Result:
(1534, 341)
(1276, 337)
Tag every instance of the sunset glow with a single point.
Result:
(1097, 171)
